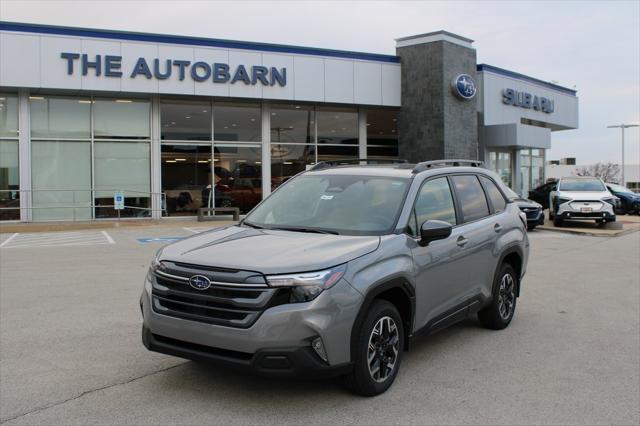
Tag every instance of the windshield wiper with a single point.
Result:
(310, 230)
(252, 225)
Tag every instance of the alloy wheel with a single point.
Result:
(506, 296)
(384, 345)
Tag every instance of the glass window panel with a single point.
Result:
(382, 151)
(288, 160)
(337, 126)
(237, 177)
(122, 166)
(9, 180)
(62, 183)
(435, 202)
(382, 127)
(185, 121)
(292, 124)
(186, 178)
(471, 196)
(496, 197)
(8, 115)
(237, 122)
(121, 118)
(336, 153)
(53, 117)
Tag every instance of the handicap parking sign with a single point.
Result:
(118, 201)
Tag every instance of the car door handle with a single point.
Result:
(497, 227)
(462, 241)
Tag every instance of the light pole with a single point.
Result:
(622, 127)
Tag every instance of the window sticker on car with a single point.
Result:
(326, 197)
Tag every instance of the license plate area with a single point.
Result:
(586, 210)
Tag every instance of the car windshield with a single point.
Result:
(594, 185)
(343, 204)
(619, 188)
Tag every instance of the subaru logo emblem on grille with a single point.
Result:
(199, 282)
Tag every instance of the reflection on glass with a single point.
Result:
(336, 153)
(121, 118)
(186, 173)
(9, 180)
(186, 121)
(288, 160)
(292, 124)
(471, 196)
(435, 202)
(62, 186)
(237, 177)
(122, 166)
(237, 122)
(337, 126)
(8, 115)
(382, 127)
(500, 162)
(60, 117)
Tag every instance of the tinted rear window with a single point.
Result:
(496, 197)
(471, 196)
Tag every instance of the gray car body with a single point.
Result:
(443, 281)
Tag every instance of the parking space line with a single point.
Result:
(108, 237)
(190, 230)
(8, 240)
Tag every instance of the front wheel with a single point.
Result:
(500, 312)
(379, 344)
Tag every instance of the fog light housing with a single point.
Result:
(318, 347)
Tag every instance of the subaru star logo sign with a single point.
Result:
(199, 282)
(464, 86)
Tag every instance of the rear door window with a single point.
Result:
(473, 202)
(495, 196)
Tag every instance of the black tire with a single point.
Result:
(531, 227)
(557, 222)
(361, 380)
(500, 312)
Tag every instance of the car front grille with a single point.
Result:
(235, 299)
(531, 212)
(594, 205)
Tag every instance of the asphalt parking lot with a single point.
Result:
(70, 350)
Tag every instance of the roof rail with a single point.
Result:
(425, 165)
(333, 163)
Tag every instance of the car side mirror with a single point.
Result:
(433, 230)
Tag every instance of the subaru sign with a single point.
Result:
(527, 100)
(162, 69)
(464, 86)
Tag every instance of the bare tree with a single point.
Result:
(608, 172)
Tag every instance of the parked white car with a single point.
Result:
(581, 198)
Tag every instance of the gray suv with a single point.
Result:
(337, 270)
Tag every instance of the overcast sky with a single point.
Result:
(591, 46)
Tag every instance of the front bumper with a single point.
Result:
(606, 212)
(534, 217)
(282, 362)
(282, 332)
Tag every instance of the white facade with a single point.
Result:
(34, 61)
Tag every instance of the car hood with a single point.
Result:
(525, 203)
(584, 195)
(268, 251)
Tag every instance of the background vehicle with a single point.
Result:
(581, 198)
(533, 210)
(338, 269)
(629, 200)
(540, 194)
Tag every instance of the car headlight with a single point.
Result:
(611, 200)
(155, 264)
(307, 286)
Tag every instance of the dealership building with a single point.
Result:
(176, 123)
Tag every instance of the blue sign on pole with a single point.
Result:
(118, 201)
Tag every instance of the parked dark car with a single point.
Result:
(533, 210)
(541, 193)
(629, 200)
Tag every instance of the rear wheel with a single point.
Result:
(557, 221)
(379, 344)
(499, 313)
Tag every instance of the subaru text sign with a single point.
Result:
(162, 69)
(527, 100)
(464, 86)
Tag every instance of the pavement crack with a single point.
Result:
(87, 392)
